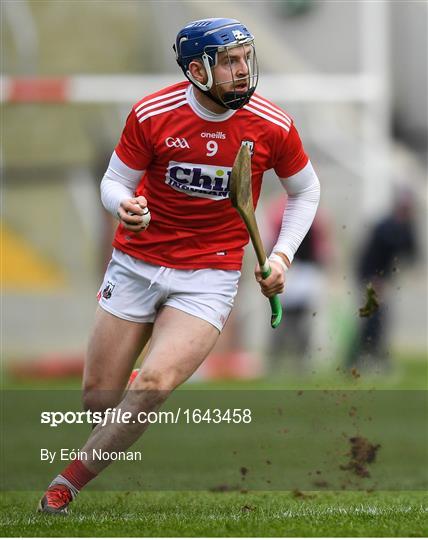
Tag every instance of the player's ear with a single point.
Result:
(198, 72)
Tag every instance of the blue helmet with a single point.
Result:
(202, 40)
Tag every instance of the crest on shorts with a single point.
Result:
(108, 290)
(250, 145)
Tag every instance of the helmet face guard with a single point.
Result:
(204, 40)
(242, 87)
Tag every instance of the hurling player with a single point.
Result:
(178, 249)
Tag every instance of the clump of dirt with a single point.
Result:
(372, 302)
(297, 494)
(244, 472)
(224, 488)
(361, 454)
(248, 508)
(320, 483)
(352, 411)
(355, 373)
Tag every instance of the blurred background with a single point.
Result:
(352, 74)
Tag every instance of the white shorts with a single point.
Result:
(135, 290)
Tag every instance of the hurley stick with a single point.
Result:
(241, 196)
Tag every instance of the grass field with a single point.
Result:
(222, 514)
(219, 501)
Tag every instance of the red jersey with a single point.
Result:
(187, 162)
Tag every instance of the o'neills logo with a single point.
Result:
(199, 180)
(216, 135)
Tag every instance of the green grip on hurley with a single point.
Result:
(275, 304)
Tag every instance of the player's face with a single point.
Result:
(232, 71)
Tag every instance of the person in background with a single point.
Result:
(389, 242)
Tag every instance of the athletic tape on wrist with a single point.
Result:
(277, 258)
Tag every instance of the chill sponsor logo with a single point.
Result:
(216, 135)
(176, 142)
(199, 180)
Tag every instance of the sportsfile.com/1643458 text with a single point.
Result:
(117, 415)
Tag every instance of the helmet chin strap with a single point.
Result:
(214, 98)
(204, 87)
(236, 100)
(231, 100)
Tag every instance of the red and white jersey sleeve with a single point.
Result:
(187, 162)
(134, 147)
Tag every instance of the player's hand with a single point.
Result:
(134, 214)
(275, 283)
